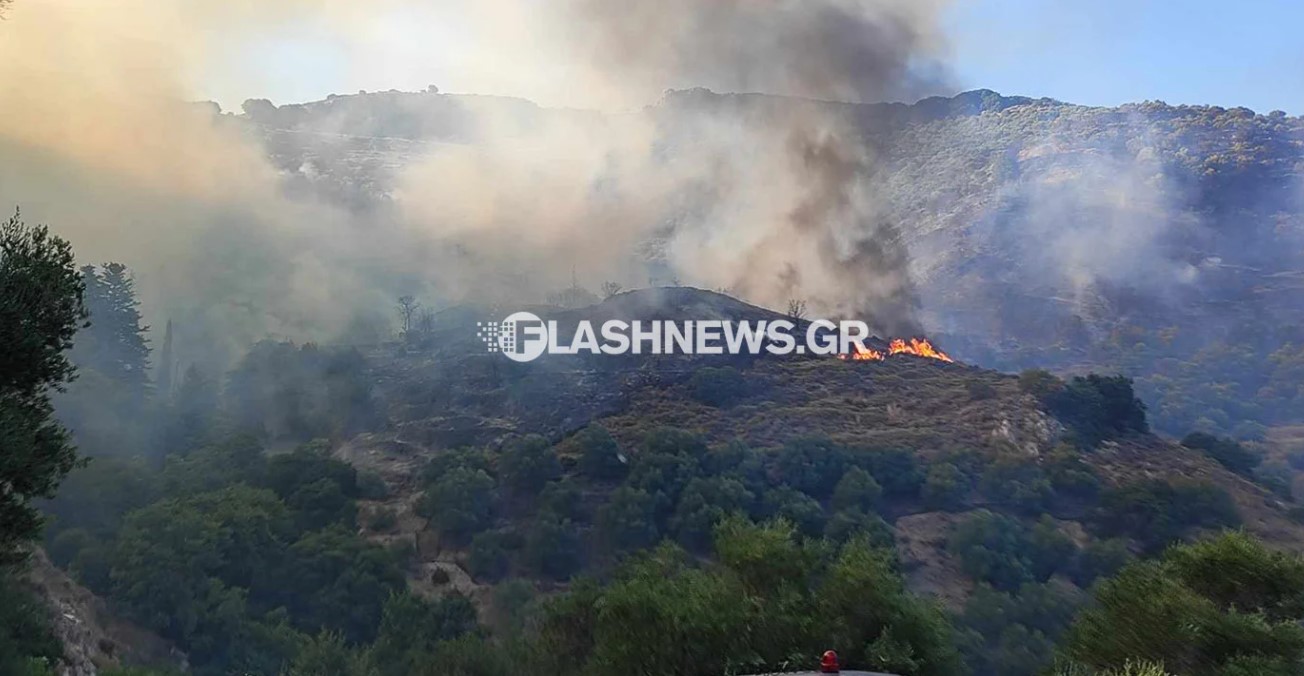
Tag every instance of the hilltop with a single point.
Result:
(1156, 240)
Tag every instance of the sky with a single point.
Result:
(1096, 52)
(1106, 52)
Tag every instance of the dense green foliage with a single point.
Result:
(1224, 606)
(770, 602)
(1156, 512)
(236, 557)
(1097, 408)
(41, 307)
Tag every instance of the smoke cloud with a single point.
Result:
(771, 201)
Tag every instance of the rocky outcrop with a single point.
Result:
(93, 638)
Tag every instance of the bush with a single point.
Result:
(628, 520)
(856, 490)
(383, 520)
(1098, 408)
(552, 549)
(1157, 512)
(1223, 606)
(718, 387)
(896, 470)
(26, 635)
(528, 464)
(1101, 558)
(460, 504)
(600, 456)
(992, 548)
(490, 558)
(945, 488)
(1016, 483)
(1227, 452)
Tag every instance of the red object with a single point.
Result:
(829, 662)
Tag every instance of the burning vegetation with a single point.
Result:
(919, 347)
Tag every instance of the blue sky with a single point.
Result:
(1105, 52)
(1096, 52)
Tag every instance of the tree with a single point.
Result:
(489, 558)
(41, 307)
(1227, 452)
(628, 520)
(459, 504)
(166, 366)
(1098, 408)
(1157, 512)
(411, 628)
(25, 632)
(718, 387)
(883, 627)
(600, 456)
(993, 548)
(115, 343)
(407, 311)
(191, 414)
(1222, 606)
(328, 654)
(856, 490)
(552, 548)
(945, 487)
(333, 580)
(796, 308)
(610, 290)
(528, 464)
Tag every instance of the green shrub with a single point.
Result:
(718, 387)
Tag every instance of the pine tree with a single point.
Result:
(127, 348)
(164, 385)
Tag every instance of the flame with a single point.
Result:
(863, 354)
(919, 347)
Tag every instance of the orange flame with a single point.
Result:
(919, 347)
(863, 354)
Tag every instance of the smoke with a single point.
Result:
(769, 200)
(97, 142)
(772, 202)
(844, 50)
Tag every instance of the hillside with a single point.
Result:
(431, 487)
(921, 414)
(1165, 242)
(442, 494)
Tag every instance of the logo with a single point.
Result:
(521, 336)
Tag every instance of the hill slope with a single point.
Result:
(1166, 242)
(942, 440)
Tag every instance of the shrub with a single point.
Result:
(528, 464)
(1157, 512)
(1227, 452)
(383, 520)
(1098, 408)
(945, 488)
(856, 490)
(718, 387)
(460, 504)
(600, 456)
(489, 558)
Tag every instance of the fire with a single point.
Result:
(919, 347)
(863, 354)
